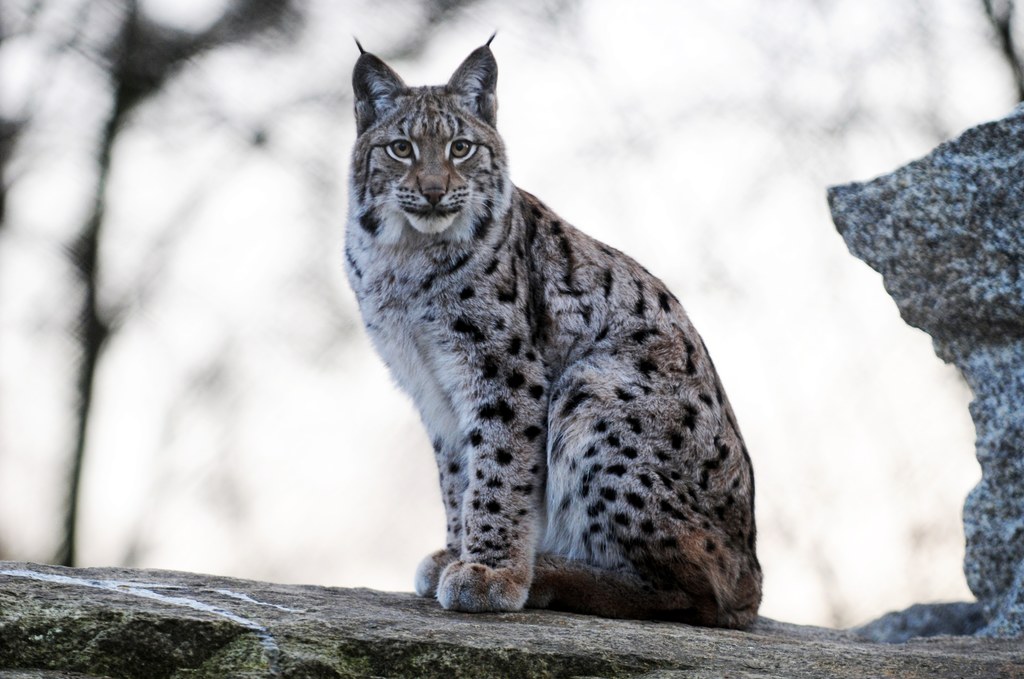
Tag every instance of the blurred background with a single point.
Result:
(184, 379)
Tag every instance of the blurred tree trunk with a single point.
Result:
(8, 134)
(142, 58)
(1000, 14)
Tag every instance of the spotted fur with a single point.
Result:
(589, 459)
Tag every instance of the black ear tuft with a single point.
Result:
(475, 80)
(376, 87)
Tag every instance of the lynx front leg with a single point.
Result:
(501, 507)
(451, 465)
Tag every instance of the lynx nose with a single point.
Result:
(432, 188)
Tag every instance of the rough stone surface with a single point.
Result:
(947, 234)
(925, 620)
(57, 622)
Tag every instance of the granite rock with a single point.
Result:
(947, 234)
(925, 620)
(91, 623)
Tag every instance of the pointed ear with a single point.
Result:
(376, 87)
(475, 81)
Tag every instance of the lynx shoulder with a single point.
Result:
(589, 459)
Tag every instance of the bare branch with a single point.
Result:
(1000, 17)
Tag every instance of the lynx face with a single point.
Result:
(428, 158)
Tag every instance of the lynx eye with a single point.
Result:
(400, 149)
(461, 148)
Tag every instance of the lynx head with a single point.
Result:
(427, 158)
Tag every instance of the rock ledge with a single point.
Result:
(111, 622)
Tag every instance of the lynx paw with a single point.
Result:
(475, 588)
(428, 573)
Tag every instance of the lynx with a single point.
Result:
(589, 459)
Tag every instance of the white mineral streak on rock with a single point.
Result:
(147, 591)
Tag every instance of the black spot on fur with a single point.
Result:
(646, 366)
(616, 469)
(595, 509)
(647, 526)
(490, 369)
(503, 457)
(634, 424)
(570, 268)
(641, 302)
(663, 301)
(515, 345)
(492, 267)
(629, 451)
(602, 334)
(710, 546)
(536, 391)
(532, 432)
(670, 542)
(723, 450)
(493, 506)
(370, 223)
(453, 468)
(601, 426)
(585, 311)
(508, 295)
(494, 482)
(609, 494)
(482, 226)
(689, 417)
(645, 480)
(677, 441)
(475, 437)
(467, 292)
(501, 410)
(574, 401)
(608, 280)
(635, 500)
(591, 451)
(465, 327)
(515, 380)
(352, 263)
(621, 519)
(624, 395)
(613, 440)
(641, 336)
